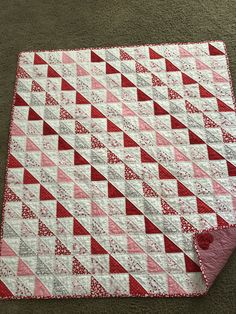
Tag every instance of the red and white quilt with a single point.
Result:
(121, 175)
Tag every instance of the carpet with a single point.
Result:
(184, 32)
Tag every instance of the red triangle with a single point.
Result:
(38, 59)
(52, 72)
(130, 174)
(110, 69)
(204, 93)
(48, 130)
(167, 209)
(65, 85)
(45, 195)
(183, 191)
(43, 230)
(150, 228)
(158, 110)
(112, 158)
(27, 213)
(223, 107)
(135, 288)
(36, 87)
(79, 128)
(81, 100)
(115, 266)
(113, 192)
(187, 80)
(213, 155)
(33, 115)
(214, 51)
(62, 212)
(170, 67)
(78, 268)
(98, 289)
(95, 57)
(164, 173)
(187, 226)
(124, 55)
(78, 229)
(173, 94)
(153, 54)
(111, 127)
(96, 248)
(131, 209)
(126, 82)
(231, 169)
(128, 142)
(170, 247)
(221, 222)
(141, 96)
(4, 291)
(156, 81)
(191, 266)
(148, 191)
(194, 139)
(203, 208)
(61, 249)
(176, 124)
(62, 144)
(96, 175)
(28, 178)
(13, 162)
(145, 157)
(79, 160)
(95, 113)
(19, 101)
(50, 101)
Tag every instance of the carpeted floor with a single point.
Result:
(30, 25)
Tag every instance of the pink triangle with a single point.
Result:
(15, 130)
(184, 53)
(46, 162)
(81, 71)
(179, 156)
(111, 97)
(199, 173)
(96, 210)
(6, 250)
(201, 66)
(218, 189)
(96, 84)
(62, 177)
(126, 111)
(66, 58)
(160, 140)
(114, 228)
(79, 193)
(144, 126)
(133, 247)
(218, 78)
(40, 290)
(30, 146)
(23, 269)
(174, 287)
(153, 267)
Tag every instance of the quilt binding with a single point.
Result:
(196, 294)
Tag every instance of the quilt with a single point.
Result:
(121, 172)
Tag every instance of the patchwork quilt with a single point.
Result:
(120, 174)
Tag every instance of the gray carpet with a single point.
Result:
(30, 25)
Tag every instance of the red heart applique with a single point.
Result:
(204, 239)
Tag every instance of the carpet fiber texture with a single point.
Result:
(73, 24)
